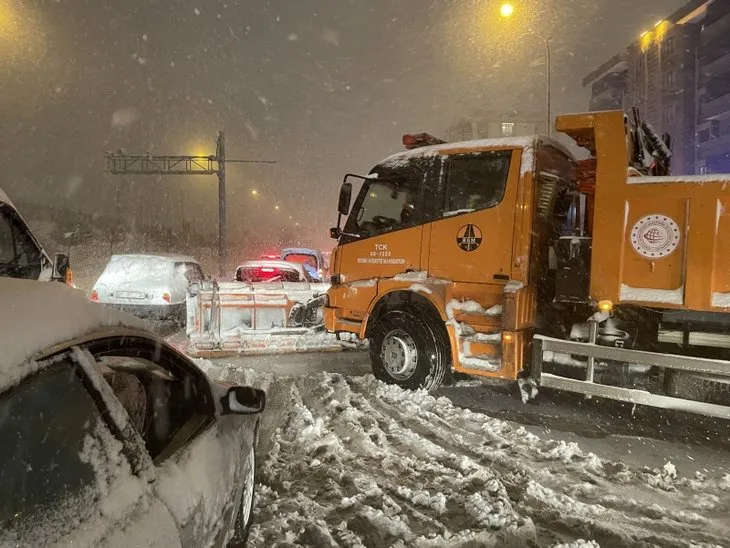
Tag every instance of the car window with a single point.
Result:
(167, 401)
(301, 258)
(19, 255)
(476, 181)
(139, 269)
(191, 271)
(256, 274)
(56, 446)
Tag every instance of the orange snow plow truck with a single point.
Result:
(508, 258)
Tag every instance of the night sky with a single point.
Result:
(323, 86)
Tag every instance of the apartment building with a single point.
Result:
(678, 74)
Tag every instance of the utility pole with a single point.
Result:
(121, 163)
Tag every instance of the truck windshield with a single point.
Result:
(388, 201)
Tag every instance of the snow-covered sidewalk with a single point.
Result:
(351, 461)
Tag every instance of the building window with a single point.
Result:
(704, 136)
(715, 129)
(670, 113)
(508, 128)
(669, 79)
(669, 47)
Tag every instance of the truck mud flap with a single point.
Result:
(543, 346)
(234, 318)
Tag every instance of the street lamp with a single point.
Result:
(507, 10)
(254, 193)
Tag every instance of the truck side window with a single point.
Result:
(19, 256)
(388, 203)
(476, 180)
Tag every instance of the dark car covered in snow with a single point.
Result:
(111, 436)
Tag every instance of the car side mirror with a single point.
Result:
(243, 400)
(343, 206)
(60, 267)
(335, 233)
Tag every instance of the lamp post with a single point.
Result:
(506, 11)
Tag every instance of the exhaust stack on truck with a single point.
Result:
(509, 258)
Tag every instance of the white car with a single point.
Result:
(111, 436)
(150, 286)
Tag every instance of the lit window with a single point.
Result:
(508, 129)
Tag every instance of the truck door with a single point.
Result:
(472, 240)
(385, 227)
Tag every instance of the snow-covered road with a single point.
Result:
(347, 460)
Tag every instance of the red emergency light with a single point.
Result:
(416, 140)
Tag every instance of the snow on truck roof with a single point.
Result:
(35, 316)
(527, 144)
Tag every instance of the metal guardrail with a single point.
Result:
(542, 344)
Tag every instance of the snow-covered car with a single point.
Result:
(152, 286)
(111, 437)
(271, 271)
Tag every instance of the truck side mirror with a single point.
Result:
(60, 267)
(343, 206)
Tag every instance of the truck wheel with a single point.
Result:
(698, 387)
(408, 351)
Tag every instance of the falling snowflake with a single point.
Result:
(196, 11)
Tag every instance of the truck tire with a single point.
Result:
(408, 351)
(699, 387)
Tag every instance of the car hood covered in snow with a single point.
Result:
(37, 315)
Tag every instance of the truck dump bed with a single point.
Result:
(659, 241)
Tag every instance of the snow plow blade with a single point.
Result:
(233, 318)
(546, 349)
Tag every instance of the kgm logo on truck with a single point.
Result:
(469, 237)
(655, 236)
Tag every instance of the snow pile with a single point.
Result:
(351, 461)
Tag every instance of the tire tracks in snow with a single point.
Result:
(349, 461)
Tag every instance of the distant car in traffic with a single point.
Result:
(311, 259)
(112, 436)
(271, 271)
(150, 286)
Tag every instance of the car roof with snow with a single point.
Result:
(401, 159)
(36, 316)
(273, 264)
(301, 251)
(172, 257)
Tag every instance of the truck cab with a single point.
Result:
(443, 233)
(21, 255)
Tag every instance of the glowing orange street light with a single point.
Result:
(507, 10)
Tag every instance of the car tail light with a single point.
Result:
(70, 277)
(166, 297)
(94, 295)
